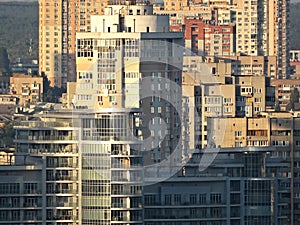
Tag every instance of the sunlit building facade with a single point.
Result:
(58, 23)
(131, 60)
(262, 29)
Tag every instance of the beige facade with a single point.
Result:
(215, 92)
(261, 26)
(68, 97)
(277, 129)
(284, 88)
(252, 65)
(262, 29)
(175, 5)
(133, 68)
(250, 40)
(27, 88)
(269, 129)
(58, 23)
(220, 16)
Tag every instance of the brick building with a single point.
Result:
(207, 39)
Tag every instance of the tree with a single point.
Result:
(19, 24)
(8, 135)
(294, 98)
(277, 106)
(46, 86)
(4, 61)
(51, 94)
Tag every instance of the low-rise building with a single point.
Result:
(29, 89)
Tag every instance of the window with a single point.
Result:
(30, 188)
(215, 198)
(168, 199)
(239, 144)
(216, 212)
(149, 199)
(213, 70)
(280, 143)
(152, 110)
(193, 212)
(12, 188)
(227, 100)
(227, 110)
(257, 100)
(238, 133)
(202, 199)
(177, 199)
(193, 198)
(112, 98)
(257, 109)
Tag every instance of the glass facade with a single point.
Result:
(229, 191)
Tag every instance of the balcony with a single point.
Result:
(39, 124)
(52, 138)
(64, 191)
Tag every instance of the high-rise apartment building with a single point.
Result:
(206, 39)
(262, 29)
(68, 171)
(131, 60)
(58, 23)
(261, 25)
(215, 15)
(88, 159)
